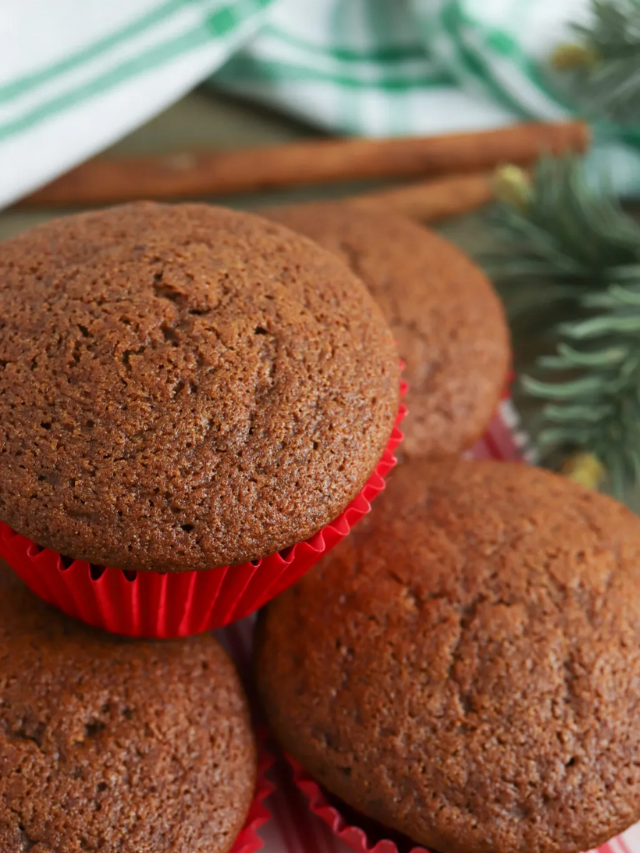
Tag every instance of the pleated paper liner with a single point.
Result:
(358, 831)
(365, 835)
(161, 606)
(248, 841)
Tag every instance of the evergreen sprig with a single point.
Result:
(576, 255)
(603, 64)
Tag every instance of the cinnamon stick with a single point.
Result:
(430, 201)
(105, 180)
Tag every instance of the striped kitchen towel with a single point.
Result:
(380, 68)
(76, 75)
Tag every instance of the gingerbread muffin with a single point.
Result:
(110, 744)
(465, 667)
(447, 320)
(184, 387)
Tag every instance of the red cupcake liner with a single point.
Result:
(506, 391)
(248, 841)
(163, 606)
(358, 831)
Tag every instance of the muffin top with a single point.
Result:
(183, 387)
(110, 744)
(464, 667)
(447, 320)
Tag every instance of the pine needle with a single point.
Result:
(602, 67)
(579, 254)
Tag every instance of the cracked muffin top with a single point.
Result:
(445, 316)
(112, 744)
(464, 667)
(183, 387)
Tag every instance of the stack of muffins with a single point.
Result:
(195, 406)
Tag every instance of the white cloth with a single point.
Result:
(76, 75)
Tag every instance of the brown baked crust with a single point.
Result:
(464, 667)
(447, 320)
(111, 744)
(184, 387)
